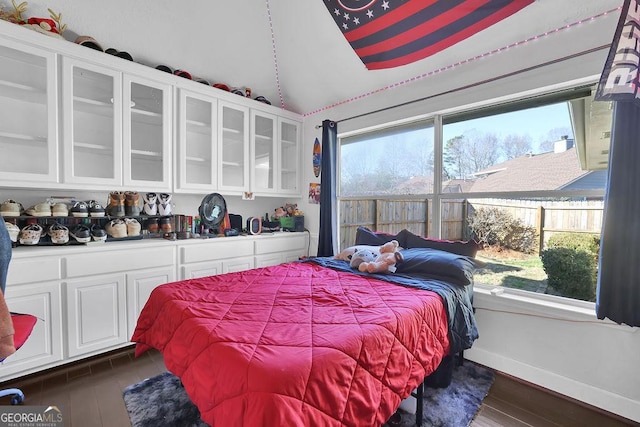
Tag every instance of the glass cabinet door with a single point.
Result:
(92, 104)
(147, 134)
(289, 156)
(263, 149)
(28, 122)
(233, 147)
(197, 148)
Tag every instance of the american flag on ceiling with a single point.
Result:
(390, 33)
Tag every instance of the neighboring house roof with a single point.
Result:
(546, 171)
(457, 185)
(424, 185)
(415, 185)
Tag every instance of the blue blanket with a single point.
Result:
(463, 330)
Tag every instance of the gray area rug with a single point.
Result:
(161, 401)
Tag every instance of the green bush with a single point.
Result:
(576, 241)
(495, 226)
(571, 272)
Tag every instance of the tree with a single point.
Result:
(513, 146)
(469, 153)
(554, 135)
(356, 172)
(454, 157)
(483, 151)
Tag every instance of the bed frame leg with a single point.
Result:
(419, 395)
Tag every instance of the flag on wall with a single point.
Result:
(390, 33)
(619, 80)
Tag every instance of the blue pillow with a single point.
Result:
(468, 248)
(439, 265)
(364, 236)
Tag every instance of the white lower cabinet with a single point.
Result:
(267, 260)
(140, 284)
(237, 264)
(215, 256)
(88, 300)
(44, 346)
(96, 313)
(279, 249)
(201, 269)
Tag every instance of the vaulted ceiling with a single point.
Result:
(292, 52)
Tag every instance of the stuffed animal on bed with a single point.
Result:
(348, 253)
(362, 256)
(386, 261)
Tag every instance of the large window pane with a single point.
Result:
(527, 150)
(394, 161)
(526, 179)
(545, 245)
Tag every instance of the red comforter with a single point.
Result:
(295, 344)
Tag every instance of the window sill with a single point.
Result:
(499, 299)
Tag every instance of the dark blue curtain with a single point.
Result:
(327, 234)
(5, 254)
(618, 293)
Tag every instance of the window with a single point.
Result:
(393, 161)
(526, 179)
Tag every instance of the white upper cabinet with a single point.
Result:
(117, 128)
(75, 118)
(197, 142)
(233, 148)
(263, 152)
(147, 134)
(29, 118)
(289, 156)
(275, 154)
(92, 105)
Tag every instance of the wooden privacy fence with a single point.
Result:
(393, 215)
(551, 217)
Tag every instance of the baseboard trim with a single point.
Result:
(595, 399)
(71, 369)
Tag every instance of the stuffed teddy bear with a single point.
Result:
(361, 256)
(290, 209)
(347, 253)
(386, 261)
(279, 213)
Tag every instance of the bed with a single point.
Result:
(309, 343)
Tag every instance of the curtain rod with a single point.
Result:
(479, 83)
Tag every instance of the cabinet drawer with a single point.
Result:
(280, 244)
(119, 260)
(224, 248)
(28, 270)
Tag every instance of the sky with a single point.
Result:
(536, 123)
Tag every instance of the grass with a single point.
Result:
(511, 269)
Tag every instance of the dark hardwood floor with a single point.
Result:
(89, 394)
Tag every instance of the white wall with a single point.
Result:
(542, 340)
